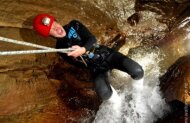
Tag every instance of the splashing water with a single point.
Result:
(110, 110)
(141, 101)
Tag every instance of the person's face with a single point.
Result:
(57, 30)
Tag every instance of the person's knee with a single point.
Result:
(138, 73)
(104, 92)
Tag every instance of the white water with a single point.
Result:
(141, 101)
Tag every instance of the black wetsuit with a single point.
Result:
(99, 59)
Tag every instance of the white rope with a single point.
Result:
(46, 49)
(34, 51)
(23, 43)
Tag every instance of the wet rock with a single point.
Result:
(117, 42)
(171, 11)
(178, 114)
(119, 11)
(133, 19)
(20, 14)
(172, 46)
(163, 7)
(175, 82)
(181, 1)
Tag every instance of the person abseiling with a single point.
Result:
(98, 58)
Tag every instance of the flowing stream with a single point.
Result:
(141, 101)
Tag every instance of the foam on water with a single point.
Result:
(141, 101)
(110, 110)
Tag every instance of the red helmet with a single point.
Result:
(42, 24)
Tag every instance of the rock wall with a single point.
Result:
(175, 83)
(175, 88)
(43, 88)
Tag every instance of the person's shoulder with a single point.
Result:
(60, 43)
(75, 22)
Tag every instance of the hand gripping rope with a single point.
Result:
(44, 49)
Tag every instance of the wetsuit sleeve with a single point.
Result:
(61, 44)
(87, 37)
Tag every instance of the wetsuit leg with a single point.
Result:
(102, 86)
(123, 63)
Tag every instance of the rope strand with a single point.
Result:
(24, 43)
(45, 49)
(34, 51)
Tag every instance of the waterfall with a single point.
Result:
(141, 101)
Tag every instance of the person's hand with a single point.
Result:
(78, 51)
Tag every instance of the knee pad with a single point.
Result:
(138, 73)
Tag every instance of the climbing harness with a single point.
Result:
(44, 49)
(96, 57)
